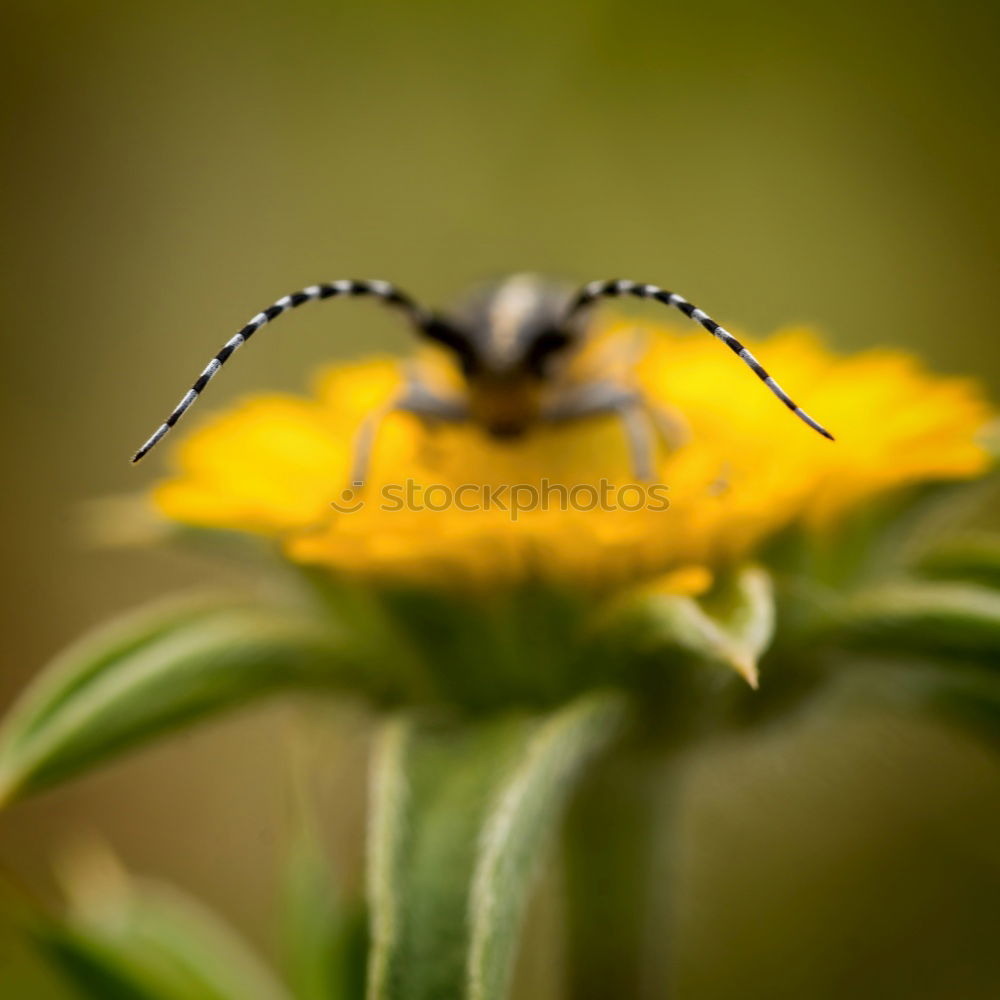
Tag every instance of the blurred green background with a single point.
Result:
(172, 168)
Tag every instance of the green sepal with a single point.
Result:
(731, 626)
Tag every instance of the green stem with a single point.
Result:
(620, 856)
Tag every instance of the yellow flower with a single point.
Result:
(744, 470)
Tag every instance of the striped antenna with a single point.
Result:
(595, 290)
(424, 321)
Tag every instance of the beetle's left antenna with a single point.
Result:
(589, 294)
(424, 321)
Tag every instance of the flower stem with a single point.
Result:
(620, 855)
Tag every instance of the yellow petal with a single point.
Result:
(747, 470)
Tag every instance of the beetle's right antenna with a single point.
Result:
(425, 322)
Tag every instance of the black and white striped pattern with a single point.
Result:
(610, 289)
(381, 290)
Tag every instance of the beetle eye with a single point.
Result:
(456, 340)
(545, 344)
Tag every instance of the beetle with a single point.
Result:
(510, 340)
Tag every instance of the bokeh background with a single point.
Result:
(170, 168)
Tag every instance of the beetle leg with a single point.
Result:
(639, 434)
(628, 405)
(670, 425)
(416, 397)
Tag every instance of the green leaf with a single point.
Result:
(460, 816)
(126, 939)
(388, 843)
(975, 558)
(430, 788)
(520, 820)
(885, 537)
(732, 626)
(97, 972)
(942, 619)
(323, 936)
(155, 674)
(956, 693)
(76, 666)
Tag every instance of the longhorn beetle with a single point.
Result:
(508, 340)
